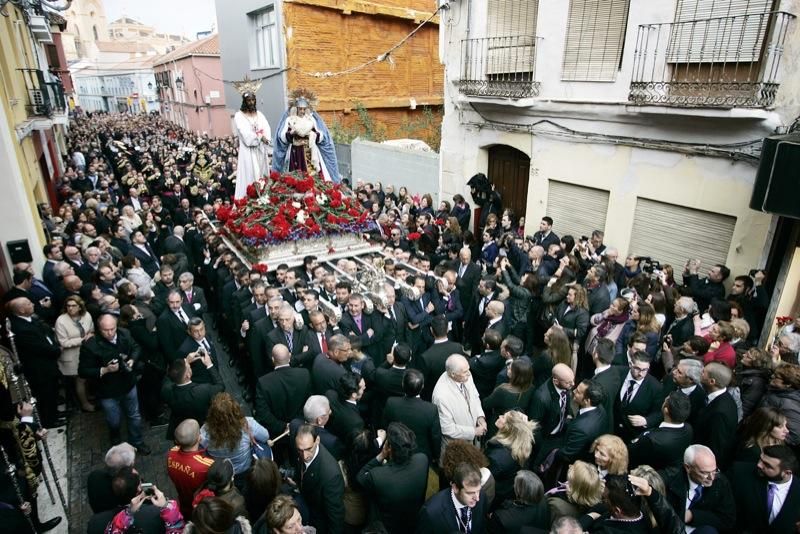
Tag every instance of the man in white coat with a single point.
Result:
(455, 395)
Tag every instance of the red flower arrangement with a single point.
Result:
(261, 267)
(783, 321)
(292, 206)
(414, 236)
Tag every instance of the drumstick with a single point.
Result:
(271, 442)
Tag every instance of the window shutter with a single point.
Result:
(576, 210)
(672, 234)
(512, 31)
(595, 39)
(710, 36)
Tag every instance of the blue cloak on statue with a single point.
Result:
(327, 150)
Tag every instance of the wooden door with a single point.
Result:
(509, 170)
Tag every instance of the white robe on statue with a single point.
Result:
(253, 153)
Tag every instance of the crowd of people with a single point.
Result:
(499, 381)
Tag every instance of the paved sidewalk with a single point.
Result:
(82, 448)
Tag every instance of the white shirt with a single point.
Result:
(584, 410)
(602, 368)
(312, 458)
(458, 505)
(626, 384)
(782, 491)
(671, 425)
(689, 390)
(712, 396)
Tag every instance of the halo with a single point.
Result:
(247, 85)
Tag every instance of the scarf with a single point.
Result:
(608, 324)
(630, 274)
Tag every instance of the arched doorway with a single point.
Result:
(509, 170)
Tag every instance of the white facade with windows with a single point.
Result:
(643, 119)
(264, 51)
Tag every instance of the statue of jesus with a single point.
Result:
(255, 136)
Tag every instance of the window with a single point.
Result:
(595, 39)
(715, 31)
(512, 36)
(512, 17)
(265, 39)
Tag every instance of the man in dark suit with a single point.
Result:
(39, 352)
(699, 494)
(767, 496)
(545, 236)
(398, 320)
(281, 394)
(345, 411)
(187, 399)
(587, 426)
(432, 361)
(637, 407)
(460, 508)
(356, 324)
(295, 339)
(717, 422)
(550, 406)
(607, 376)
(319, 332)
(321, 483)
(664, 446)
(420, 313)
(328, 367)
(485, 366)
(172, 325)
(317, 412)
(257, 343)
(475, 320)
(420, 416)
(389, 376)
(198, 343)
(174, 244)
(396, 480)
(686, 377)
(468, 274)
(141, 249)
(193, 296)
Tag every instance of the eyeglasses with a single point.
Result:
(640, 369)
(706, 474)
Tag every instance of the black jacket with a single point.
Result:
(280, 396)
(398, 491)
(484, 370)
(753, 384)
(37, 347)
(647, 403)
(438, 515)
(581, 433)
(432, 363)
(715, 507)
(325, 374)
(172, 332)
(422, 417)
(716, 428)
(504, 468)
(98, 352)
(191, 401)
(750, 495)
(660, 448)
(322, 487)
(611, 381)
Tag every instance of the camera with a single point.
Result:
(148, 489)
(649, 266)
(287, 472)
(753, 272)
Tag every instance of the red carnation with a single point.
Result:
(440, 222)
(251, 191)
(331, 218)
(414, 236)
(261, 267)
(274, 175)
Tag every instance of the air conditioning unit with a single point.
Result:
(40, 28)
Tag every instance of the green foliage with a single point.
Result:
(365, 127)
(427, 127)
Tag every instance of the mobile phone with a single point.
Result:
(148, 489)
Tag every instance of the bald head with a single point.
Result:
(495, 309)
(457, 368)
(563, 377)
(280, 355)
(187, 434)
(21, 306)
(72, 283)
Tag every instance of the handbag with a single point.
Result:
(258, 449)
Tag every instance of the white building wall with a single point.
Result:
(472, 125)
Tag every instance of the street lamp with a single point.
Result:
(149, 86)
(179, 83)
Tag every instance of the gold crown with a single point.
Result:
(247, 85)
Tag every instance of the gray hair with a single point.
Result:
(691, 452)
(566, 524)
(119, 456)
(528, 487)
(688, 305)
(793, 341)
(178, 231)
(692, 368)
(316, 406)
(186, 277)
(337, 341)
(454, 363)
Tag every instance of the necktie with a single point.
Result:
(461, 270)
(771, 490)
(463, 389)
(563, 409)
(698, 494)
(289, 342)
(629, 392)
(205, 344)
(464, 525)
(323, 343)
(189, 296)
(358, 323)
(182, 317)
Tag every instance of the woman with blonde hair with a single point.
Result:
(558, 347)
(73, 327)
(227, 433)
(582, 491)
(642, 320)
(610, 455)
(509, 450)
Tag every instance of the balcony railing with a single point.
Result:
(499, 66)
(44, 97)
(717, 62)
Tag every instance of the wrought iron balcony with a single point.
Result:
(720, 62)
(44, 97)
(499, 66)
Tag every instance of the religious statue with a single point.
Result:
(253, 131)
(303, 142)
